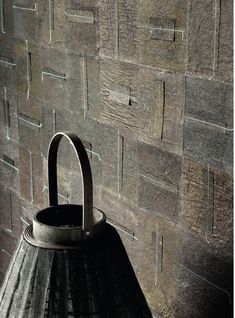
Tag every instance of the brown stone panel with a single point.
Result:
(127, 26)
(81, 27)
(141, 100)
(118, 29)
(207, 205)
(225, 42)
(210, 38)
(108, 27)
(161, 34)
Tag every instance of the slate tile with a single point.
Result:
(9, 165)
(10, 212)
(81, 27)
(8, 114)
(208, 144)
(209, 101)
(25, 19)
(161, 34)
(159, 181)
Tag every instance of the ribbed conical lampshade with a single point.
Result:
(65, 266)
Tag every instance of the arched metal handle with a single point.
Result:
(83, 161)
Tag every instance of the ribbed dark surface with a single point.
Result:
(96, 281)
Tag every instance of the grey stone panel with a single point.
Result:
(208, 145)
(209, 101)
(8, 114)
(159, 181)
(9, 164)
(81, 27)
(10, 212)
(202, 259)
(25, 19)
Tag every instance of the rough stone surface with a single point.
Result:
(209, 101)
(208, 144)
(147, 86)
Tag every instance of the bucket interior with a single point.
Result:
(67, 215)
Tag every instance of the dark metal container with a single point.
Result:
(70, 262)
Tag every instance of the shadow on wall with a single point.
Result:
(209, 295)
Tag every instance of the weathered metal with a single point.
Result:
(69, 263)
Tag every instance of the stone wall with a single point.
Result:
(147, 85)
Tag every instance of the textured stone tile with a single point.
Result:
(208, 144)
(118, 29)
(209, 101)
(25, 19)
(7, 242)
(10, 212)
(7, 25)
(28, 71)
(7, 64)
(159, 181)
(5, 258)
(161, 34)
(207, 205)
(9, 165)
(81, 27)
(31, 108)
(225, 42)
(158, 269)
(29, 133)
(64, 80)
(127, 30)
(8, 114)
(210, 38)
(141, 100)
(51, 24)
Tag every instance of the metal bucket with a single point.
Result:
(70, 262)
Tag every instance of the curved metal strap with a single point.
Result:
(86, 175)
